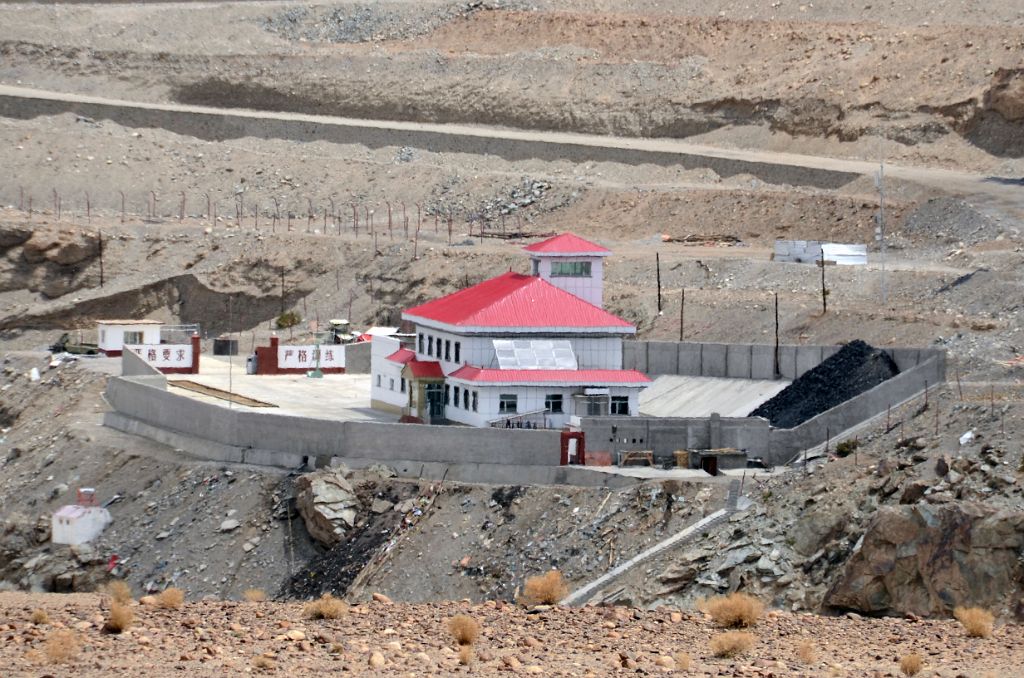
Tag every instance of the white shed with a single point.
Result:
(112, 335)
(74, 524)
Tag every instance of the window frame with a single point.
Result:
(505, 399)
(549, 401)
(572, 269)
(619, 402)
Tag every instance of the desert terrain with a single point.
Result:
(222, 162)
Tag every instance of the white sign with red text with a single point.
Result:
(163, 355)
(305, 357)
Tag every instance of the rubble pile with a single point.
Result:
(854, 369)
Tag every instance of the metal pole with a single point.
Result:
(682, 315)
(657, 268)
(824, 293)
(101, 258)
(776, 335)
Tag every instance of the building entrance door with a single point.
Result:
(435, 402)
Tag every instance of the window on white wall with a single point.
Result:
(421, 342)
(392, 385)
(508, 403)
(447, 394)
(620, 405)
(133, 337)
(378, 380)
(458, 347)
(430, 345)
(570, 269)
(553, 403)
(476, 400)
(447, 349)
(455, 402)
(403, 384)
(465, 398)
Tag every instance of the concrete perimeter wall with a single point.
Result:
(213, 432)
(743, 361)
(919, 368)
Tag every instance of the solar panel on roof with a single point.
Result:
(534, 354)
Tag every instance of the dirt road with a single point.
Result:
(1003, 193)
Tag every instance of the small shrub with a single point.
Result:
(171, 598)
(61, 647)
(806, 652)
(265, 663)
(545, 589)
(288, 319)
(735, 610)
(119, 590)
(682, 661)
(977, 621)
(39, 616)
(254, 595)
(325, 607)
(731, 643)
(119, 619)
(465, 654)
(847, 447)
(911, 664)
(464, 629)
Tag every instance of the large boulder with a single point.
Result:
(327, 504)
(925, 559)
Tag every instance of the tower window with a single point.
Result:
(570, 269)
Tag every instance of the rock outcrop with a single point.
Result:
(327, 503)
(926, 559)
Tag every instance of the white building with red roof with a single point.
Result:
(516, 350)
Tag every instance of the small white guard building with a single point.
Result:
(113, 335)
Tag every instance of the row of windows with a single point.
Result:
(470, 400)
(391, 385)
(432, 347)
(570, 269)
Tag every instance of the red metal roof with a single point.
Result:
(514, 300)
(425, 369)
(401, 356)
(567, 243)
(582, 377)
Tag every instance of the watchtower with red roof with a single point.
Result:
(571, 263)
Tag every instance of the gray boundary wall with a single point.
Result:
(744, 361)
(919, 368)
(285, 440)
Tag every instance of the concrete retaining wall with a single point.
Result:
(666, 435)
(284, 440)
(218, 125)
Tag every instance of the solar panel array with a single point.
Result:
(535, 354)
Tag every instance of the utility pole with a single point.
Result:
(880, 229)
(101, 258)
(824, 292)
(682, 315)
(776, 372)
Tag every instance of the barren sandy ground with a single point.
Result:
(213, 638)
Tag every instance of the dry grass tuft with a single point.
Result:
(265, 663)
(254, 595)
(545, 589)
(732, 643)
(62, 647)
(119, 590)
(464, 629)
(682, 661)
(325, 607)
(735, 610)
(976, 620)
(465, 654)
(120, 618)
(911, 664)
(806, 652)
(39, 616)
(171, 598)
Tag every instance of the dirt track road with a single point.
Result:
(1001, 193)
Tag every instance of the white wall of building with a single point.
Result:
(528, 399)
(386, 376)
(111, 337)
(590, 289)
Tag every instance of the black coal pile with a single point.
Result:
(854, 369)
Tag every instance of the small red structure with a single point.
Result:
(580, 455)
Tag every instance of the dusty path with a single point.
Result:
(1006, 195)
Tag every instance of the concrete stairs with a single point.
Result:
(732, 504)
